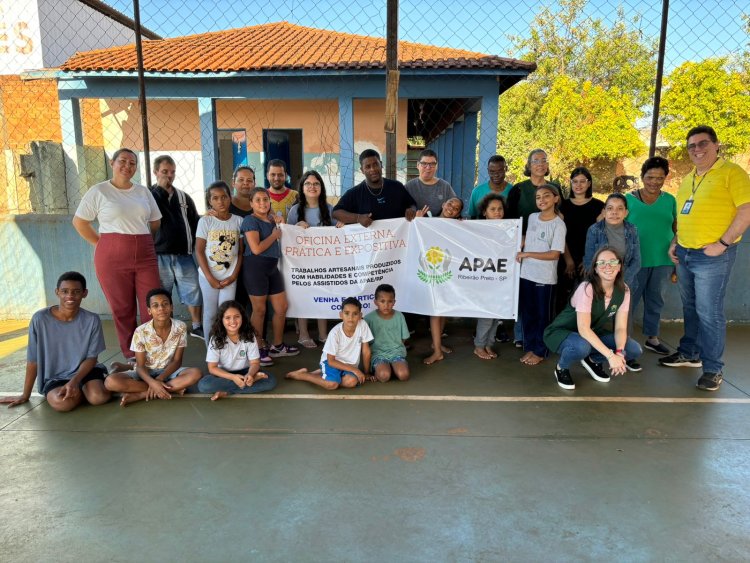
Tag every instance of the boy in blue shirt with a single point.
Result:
(64, 344)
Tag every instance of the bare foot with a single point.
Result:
(443, 348)
(115, 367)
(433, 358)
(219, 395)
(525, 357)
(482, 353)
(301, 372)
(490, 351)
(533, 359)
(128, 398)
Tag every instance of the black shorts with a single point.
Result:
(97, 373)
(261, 276)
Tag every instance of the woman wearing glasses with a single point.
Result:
(313, 210)
(581, 333)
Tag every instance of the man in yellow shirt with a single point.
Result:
(713, 210)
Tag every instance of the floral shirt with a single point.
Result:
(158, 352)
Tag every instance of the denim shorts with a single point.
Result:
(377, 361)
(180, 269)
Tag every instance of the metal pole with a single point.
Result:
(391, 88)
(142, 90)
(659, 76)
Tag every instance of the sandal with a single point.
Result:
(307, 343)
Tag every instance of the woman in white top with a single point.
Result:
(124, 255)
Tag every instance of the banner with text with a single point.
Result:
(438, 266)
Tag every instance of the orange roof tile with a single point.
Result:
(281, 46)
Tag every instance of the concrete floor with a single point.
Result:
(468, 461)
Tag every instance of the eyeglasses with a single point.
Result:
(539, 161)
(604, 263)
(699, 145)
(428, 164)
(311, 184)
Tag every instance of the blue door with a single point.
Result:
(239, 149)
(276, 146)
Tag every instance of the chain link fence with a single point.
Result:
(233, 83)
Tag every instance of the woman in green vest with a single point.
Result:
(582, 331)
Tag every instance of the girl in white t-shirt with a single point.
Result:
(233, 357)
(542, 246)
(218, 245)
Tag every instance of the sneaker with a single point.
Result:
(595, 370)
(677, 360)
(656, 348)
(709, 381)
(633, 365)
(265, 359)
(282, 350)
(564, 379)
(197, 332)
(518, 343)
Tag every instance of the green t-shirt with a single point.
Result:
(389, 335)
(478, 193)
(654, 223)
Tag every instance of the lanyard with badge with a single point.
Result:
(688, 205)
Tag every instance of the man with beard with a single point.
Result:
(374, 198)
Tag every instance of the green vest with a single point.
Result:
(567, 321)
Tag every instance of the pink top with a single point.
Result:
(584, 296)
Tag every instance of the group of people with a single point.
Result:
(584, 266)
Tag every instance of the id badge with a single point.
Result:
(687, 207)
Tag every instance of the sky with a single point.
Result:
(697, 29)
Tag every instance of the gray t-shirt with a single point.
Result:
(616, 237)
(59, 347)
(312, 215)
(433, 196)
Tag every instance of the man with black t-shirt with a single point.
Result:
(376, 197)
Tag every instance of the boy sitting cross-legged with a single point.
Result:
(389, 328)
(158, 346)
(64, 343)
(339, 364)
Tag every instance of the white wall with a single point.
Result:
(20, 43)
(67, 27)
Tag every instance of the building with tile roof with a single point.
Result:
(312, 97)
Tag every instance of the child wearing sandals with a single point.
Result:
(233, 357)
(492, 206)
(339, 364)
(451, 209)
(389, 328)
(543, 244)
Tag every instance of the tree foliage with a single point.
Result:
(710, 92)
(583, 101)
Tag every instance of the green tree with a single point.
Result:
(710, 92)
(583, 101)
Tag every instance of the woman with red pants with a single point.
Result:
(124, 255)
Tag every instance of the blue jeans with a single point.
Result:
(649, 284)
(575, 347)
(211, 384)
(703, 284)
(180, 269)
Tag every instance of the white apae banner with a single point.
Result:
(440, 267)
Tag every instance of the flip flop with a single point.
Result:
(483, 355)
(307, 343)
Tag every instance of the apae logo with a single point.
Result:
(435, 263)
